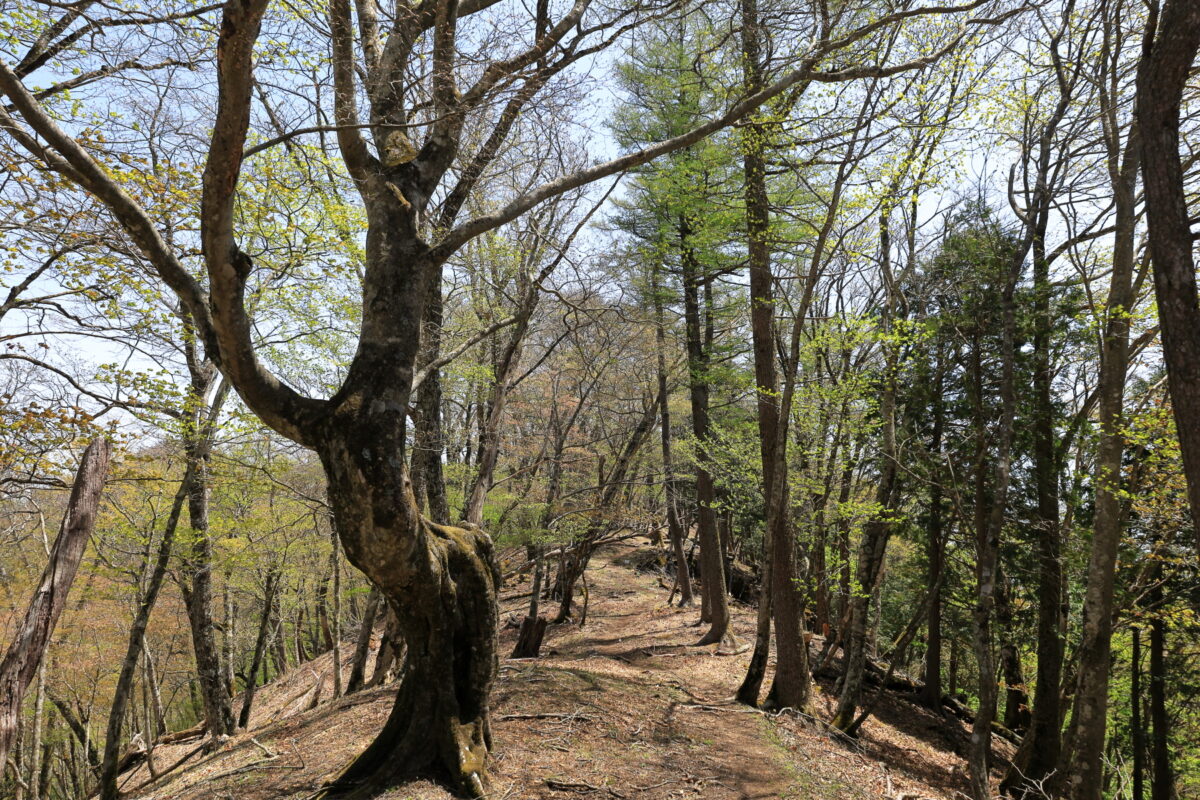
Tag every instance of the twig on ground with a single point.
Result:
(265, 750)
(574, 715)
(580, 788)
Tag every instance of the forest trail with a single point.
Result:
(623, 708)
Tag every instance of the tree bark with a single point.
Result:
(260, 646)
(675, 531)
(779, 598)
(1162, 784)
(28, 646)
(429, 482)
(362, 648)
(197, 597)
(1136, 731)
(935, 549)
(1171, 43)
(1084, 772)
(137, 637)
(712, 570)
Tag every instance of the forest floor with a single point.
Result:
(621, 708)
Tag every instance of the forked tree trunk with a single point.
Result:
(439, 581)
(28, 645)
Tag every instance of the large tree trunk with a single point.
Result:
(1084, 772)
(429, 482)
(28, 645)
(197, 598)
(1171, 49)
(439, 581)
(778, 598)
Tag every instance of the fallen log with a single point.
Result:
(182, 736)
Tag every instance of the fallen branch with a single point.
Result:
(580, 787)
(572, 716)
(182, 736)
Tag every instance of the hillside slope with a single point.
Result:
(622, 708)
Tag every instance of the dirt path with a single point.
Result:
(655, 717)
(622, 708)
